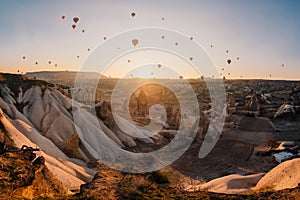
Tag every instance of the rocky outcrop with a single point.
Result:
(24, 175)
(285, 175)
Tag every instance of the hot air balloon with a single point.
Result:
(222, 69)
(135, 42)
(132, 14)
(227, 51)
(63, 17)
(176, 43)
(282, 65)
(36, 63)
(162, 37)
(228, 61)
(77, 56)
(211, 46)
(83, 30)
(191, 38)
(24, 57)
(163, 19)
(75, 19)
(128, 61)
(228, 74)
(73, 26)
(191, 58)
(88, 49)
(104, 38)
(49, 62)
(55, 65)
(18, 71)
(238, 58)
(159, 65)
(152, 73)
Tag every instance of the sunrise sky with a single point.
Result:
(263, 34)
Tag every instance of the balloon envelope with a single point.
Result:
(132, 14)
(75, 19)
(73, 26)
(228, 61)
(135, 42)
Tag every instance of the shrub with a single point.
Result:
(159, 178)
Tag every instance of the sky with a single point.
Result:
(264, 34)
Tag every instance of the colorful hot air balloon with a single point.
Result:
(135, 42)
(75, 19)
(132, 14)
(73, 26)
(63, 17)
(228, 61)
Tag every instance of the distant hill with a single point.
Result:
(59, 75)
